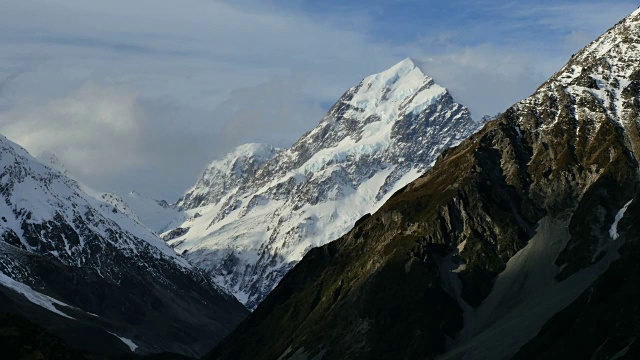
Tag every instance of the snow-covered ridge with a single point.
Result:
(34, 193)
(256, 212)
(156, 215)
(227, 173)
(602, 72)
(259, 152)
(70, 252)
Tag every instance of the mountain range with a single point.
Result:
(522, 242)
(398, 228)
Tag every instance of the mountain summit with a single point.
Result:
(522, 242)
(255, 213)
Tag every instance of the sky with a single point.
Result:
(143, 94)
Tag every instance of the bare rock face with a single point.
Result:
(520, 242)
(261, 209)
(86, 270)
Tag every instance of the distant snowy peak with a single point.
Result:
(224, 175)
(376, 118)
(388, 96)
(156, 215)
(50, 159)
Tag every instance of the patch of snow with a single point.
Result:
(33, 296)
(518, 131)
(613, 232)
(524, 297)
(461, 246)
(132, 346)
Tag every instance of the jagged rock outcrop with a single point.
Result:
(255, 213)
(521, 242)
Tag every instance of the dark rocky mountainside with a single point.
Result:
(25, 340)
(523, 241)
(95, 277)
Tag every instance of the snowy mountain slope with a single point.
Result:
(223, 176)
(522, 242)
(84, 259)
(156, 215)
(254, 214)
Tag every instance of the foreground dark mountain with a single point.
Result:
(522, 241)
(255, 213)
(25, 340)
(95, 277)
(22, 339)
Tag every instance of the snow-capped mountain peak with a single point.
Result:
(256, 212)
(402, 88)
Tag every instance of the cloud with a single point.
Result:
(113, 139)
(488, 79)
(142, 95)
(94, 130)
(134, 96)
(8, 79)
(271, 112)
(116, 140)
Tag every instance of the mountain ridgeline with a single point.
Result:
(522, 242)
(85, 270)
(256, 212)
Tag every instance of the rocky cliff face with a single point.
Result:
(86, 270)
(519, 242)
(254, 214)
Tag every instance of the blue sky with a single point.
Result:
(143, 94)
